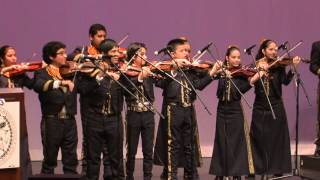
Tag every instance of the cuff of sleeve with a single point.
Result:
(99, 79)
(56, 84)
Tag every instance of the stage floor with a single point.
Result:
(203, 171)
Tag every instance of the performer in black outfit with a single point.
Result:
(58, 105)
(177, 138)
(270, 137)
(140, 120)
(8, 61)
(315, 69)
(97, 33)
(231, 147)
(104, 122)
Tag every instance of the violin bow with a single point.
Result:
(123, 39)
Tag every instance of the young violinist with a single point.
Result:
(8, 62)
(103, 113)
(58, 106)
(97, 33)
(315, 69)
(176, 138)
(139, 118)
(270, 137)
(230, 152)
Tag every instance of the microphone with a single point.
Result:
(160, 51)
(248, 50)
(283, 45)
(93, 57)
(205, 48)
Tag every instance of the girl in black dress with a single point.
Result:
(231, 146)
(270, 137)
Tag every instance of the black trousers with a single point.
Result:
(140, 123)
(317, 140)
(106, 162)
(59, 133)
(180, 136)
(103, 132)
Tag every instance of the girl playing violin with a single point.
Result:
(230, 154)
(8, 63)
(270, 137)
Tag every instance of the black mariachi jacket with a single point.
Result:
(172, 89)
(97, 93)
(226, 88)
(52, 100)
(278, 76)
(147, 85)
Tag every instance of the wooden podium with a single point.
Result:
(14, 95)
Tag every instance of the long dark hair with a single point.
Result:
(263, 46)
(3, 51)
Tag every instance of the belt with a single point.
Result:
(180, 104)
(140, 107)
(60, 116)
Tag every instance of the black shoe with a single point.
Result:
(250, 176)
(317, 151)
(191, 177)
(164, 175)
(277, 175)
(264, 177)
(129, 178)
(236, 177)
(218, 178)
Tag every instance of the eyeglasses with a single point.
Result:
(61, 53)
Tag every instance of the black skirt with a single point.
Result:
(230, 154)
(270, 138)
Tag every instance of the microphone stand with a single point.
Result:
(140, 93)
(260, 78)
(298, 83)
(189, 82)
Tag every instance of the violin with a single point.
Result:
(71, 67)
(135, 71)
(24, 67)
(278, 62)
(203, 65)
(242, 71)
